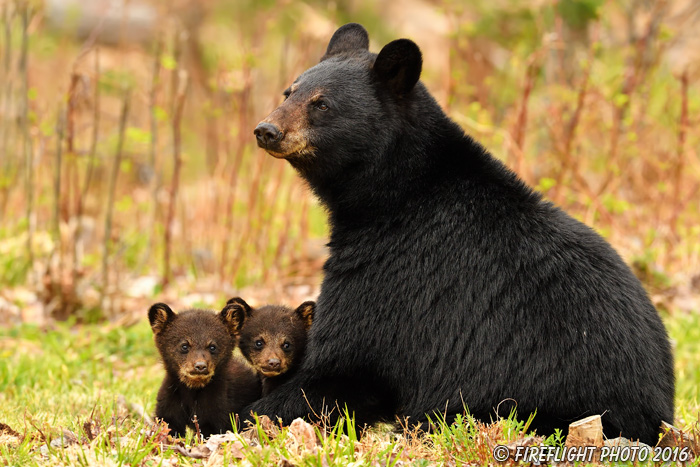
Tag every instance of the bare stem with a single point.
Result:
(6, 96)
(521, 123)
(683, 126)
(153, 151)
(77, 259)
(112, 189)
(177, 160)
(60, 123)
(26, 127)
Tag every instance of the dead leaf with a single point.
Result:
(196, 452)
(8, 436)
(303, 434)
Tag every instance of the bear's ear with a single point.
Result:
(305, 311)
(399, 65)
(160, 315)
(349, 37)
(234, 315)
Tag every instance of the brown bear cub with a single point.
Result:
(273, 339)
(202, 377)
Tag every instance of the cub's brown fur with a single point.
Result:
(202, 377)
(273, 338)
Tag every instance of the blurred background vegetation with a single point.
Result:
(128, 168)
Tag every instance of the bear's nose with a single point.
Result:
(273, 363)
(267, 134)
(200, 366)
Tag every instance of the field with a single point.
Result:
(129, 175)
(76, 395)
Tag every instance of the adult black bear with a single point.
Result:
(201, 377)
(450, 282)
(273, 339)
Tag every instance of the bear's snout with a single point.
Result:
(200, 366)
(273, 363)
(267, 134)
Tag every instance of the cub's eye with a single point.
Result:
(259, 344)
(184, 348)
(212, 348)
(286, 94)
(286, 346)
(321, 105)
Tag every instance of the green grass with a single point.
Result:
(68, 381)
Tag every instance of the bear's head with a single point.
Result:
(194, 344)
(273, 338)
(345, 117)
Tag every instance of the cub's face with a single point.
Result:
(193, 344)
(273, 338)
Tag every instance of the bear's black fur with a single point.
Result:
(451, 283)
(273, 339)
(201, 376)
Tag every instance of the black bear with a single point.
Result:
(201, 376)
(451, 283)
(273, 339)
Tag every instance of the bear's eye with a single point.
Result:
(259, 344)
(286, 93)
(321, 105)
(184, 348)
(212, 348)
(286, 346)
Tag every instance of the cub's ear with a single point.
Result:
(234, 315)
(349, 37)
(160, 315)
(306, 313)
(399, 65)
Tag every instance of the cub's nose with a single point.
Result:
(267, 134)
(273, 363)
(200, 367)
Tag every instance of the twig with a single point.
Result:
(228, 212)
(174, 75)
(244, 101)
(28, 147)
(177, 159)
(7, 16)
(683, 126)
(57, 189)
(265, 235)
(521, 122)
(77, 259)
(197, 432)
(243, 241)
(285, 234)
(70, 113)
(112, 189)
(569, 162)
(153, 151)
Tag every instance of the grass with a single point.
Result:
(69, 392)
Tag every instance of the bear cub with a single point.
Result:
(202, 377)
(273, 339)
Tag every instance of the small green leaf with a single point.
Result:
(546, 183)
(168, 62)
(125, 166)
(124, 204)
